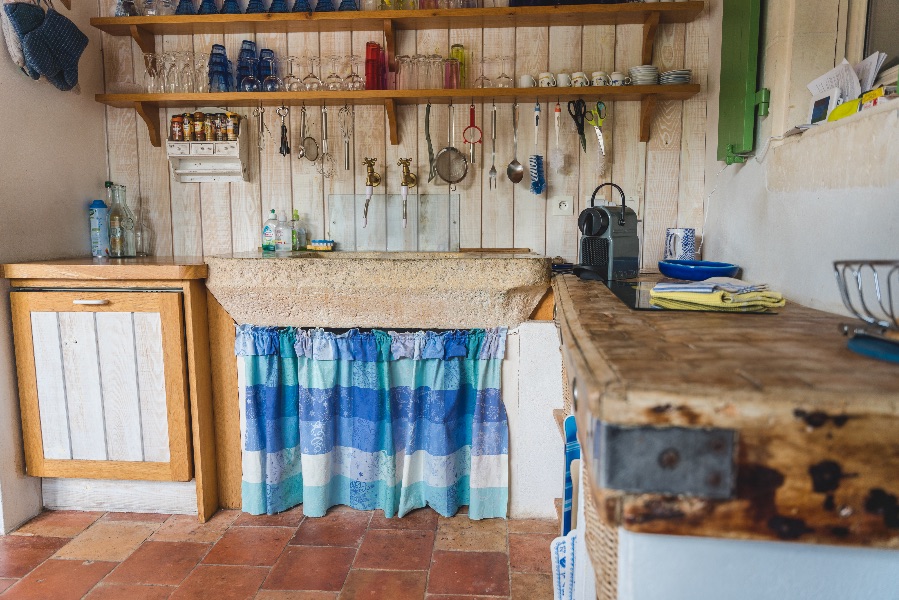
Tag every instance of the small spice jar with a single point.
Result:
(199, 127)
(233, 127)
(176, 129)
(188, 127)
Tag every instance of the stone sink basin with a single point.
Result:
(438, 290)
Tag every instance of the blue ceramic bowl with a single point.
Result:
(696, 270)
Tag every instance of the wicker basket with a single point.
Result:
(602, 546)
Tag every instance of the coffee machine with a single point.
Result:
(610, 249)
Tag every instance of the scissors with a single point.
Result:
(578, 111)
(596, 117)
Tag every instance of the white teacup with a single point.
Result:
(546, 80)
(580, 79)
(526, 81)
(601, 78)
(619, 79)
(563, 79)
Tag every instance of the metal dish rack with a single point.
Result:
(870, 291)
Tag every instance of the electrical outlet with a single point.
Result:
(562, 206)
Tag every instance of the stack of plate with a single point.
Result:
(644, 75)
(675, 77)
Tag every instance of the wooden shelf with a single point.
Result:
(147, 105)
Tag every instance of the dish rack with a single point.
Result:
(870, 291)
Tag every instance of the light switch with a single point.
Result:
(561, 206)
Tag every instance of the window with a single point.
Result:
(881, 31)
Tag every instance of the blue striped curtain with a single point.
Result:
(387, 420)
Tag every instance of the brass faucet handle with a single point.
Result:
(371, 177)
(409, 178)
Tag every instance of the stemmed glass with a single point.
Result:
(354, 81)
(483, 81)
(312, 81)
(292, 83)
(187, 74)
(201, 74)
(272, 83)
(172, 72)
(334, 82)
(503, 80)
(250, 83)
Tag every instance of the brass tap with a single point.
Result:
(371, 177)
(409, 178)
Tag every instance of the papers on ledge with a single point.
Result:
(851, 81)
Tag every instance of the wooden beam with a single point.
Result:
(650, 27)
(149, 112)
(390, 106)
(145, 39)
(647, 112)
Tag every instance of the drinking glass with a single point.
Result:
(334, 82)
(250, 83)
(201, 74)
(483, 81)
(435, 72)
(292, 83)
(186, 68)
(311, 81)
(171, 72)
(451, 73)
(404, 73)
(155, 77)
(503, 80)
(272, 83)
(354, 81)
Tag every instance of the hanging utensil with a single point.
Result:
(432, 166)
(259, 113)
(557, 158)
(326, 161)
(578, 111)
(310, 146)
(492, 184)
(301, 151)
(472, 134)
(282, 112)
(345, 118)
(451, 164)
(515, 170)
(596, 118)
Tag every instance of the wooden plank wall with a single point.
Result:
(663, 178)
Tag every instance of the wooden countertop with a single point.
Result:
(111, 269)
(807, 414)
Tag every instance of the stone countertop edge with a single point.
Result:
(408, 290)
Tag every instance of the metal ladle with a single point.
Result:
(515, 170)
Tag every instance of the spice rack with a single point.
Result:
(650, 15)
(204, 162)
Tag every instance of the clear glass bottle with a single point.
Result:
(121, 222)
(143, 234)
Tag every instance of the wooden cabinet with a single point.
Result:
(102, 384)
(114, 376)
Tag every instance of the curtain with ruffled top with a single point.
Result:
(375, 419)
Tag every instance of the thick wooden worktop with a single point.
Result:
(816, 426)
(113, 269)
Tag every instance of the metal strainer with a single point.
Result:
(450, 162)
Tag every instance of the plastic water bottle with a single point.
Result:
(283, 235)
(299, 233)
(98, 215)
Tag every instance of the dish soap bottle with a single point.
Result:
(299, 233)
(283, 235)
(121, 223)
(268, 233)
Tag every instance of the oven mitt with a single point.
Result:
(20, 19)
(54, 49)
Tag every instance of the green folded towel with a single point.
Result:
(717, 301)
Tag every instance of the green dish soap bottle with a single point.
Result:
(268, 233)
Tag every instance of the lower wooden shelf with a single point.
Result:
(148, 105)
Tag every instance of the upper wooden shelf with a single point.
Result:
(148, 105)
(464, 18)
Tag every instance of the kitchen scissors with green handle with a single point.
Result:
(596, 118)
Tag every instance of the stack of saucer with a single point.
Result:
(644, 75)
(675, 77)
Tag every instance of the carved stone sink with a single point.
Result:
(438, 290)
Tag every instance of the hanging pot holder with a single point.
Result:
(18, 19)
(54, 49)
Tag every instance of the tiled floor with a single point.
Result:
(346, 555)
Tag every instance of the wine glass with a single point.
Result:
(334, 82)
(483, 81)
(272, 83)
(292, 83)
(503, 80)
(311, 81)
(354, 82)
(201, 74)
(155, 79)
(251, 83)
(186, 75)
(172, 72)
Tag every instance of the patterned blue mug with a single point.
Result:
(680, 244)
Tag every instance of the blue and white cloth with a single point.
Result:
(387, 420)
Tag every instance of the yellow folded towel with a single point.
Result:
(717, 301)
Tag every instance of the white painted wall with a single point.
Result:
(52, 163)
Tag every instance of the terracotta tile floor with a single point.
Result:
(346, 555)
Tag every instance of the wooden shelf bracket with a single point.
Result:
(647, 112)
(390, 43)
(145, 39)
(149, 112)
(650, 27)
(390, 107)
